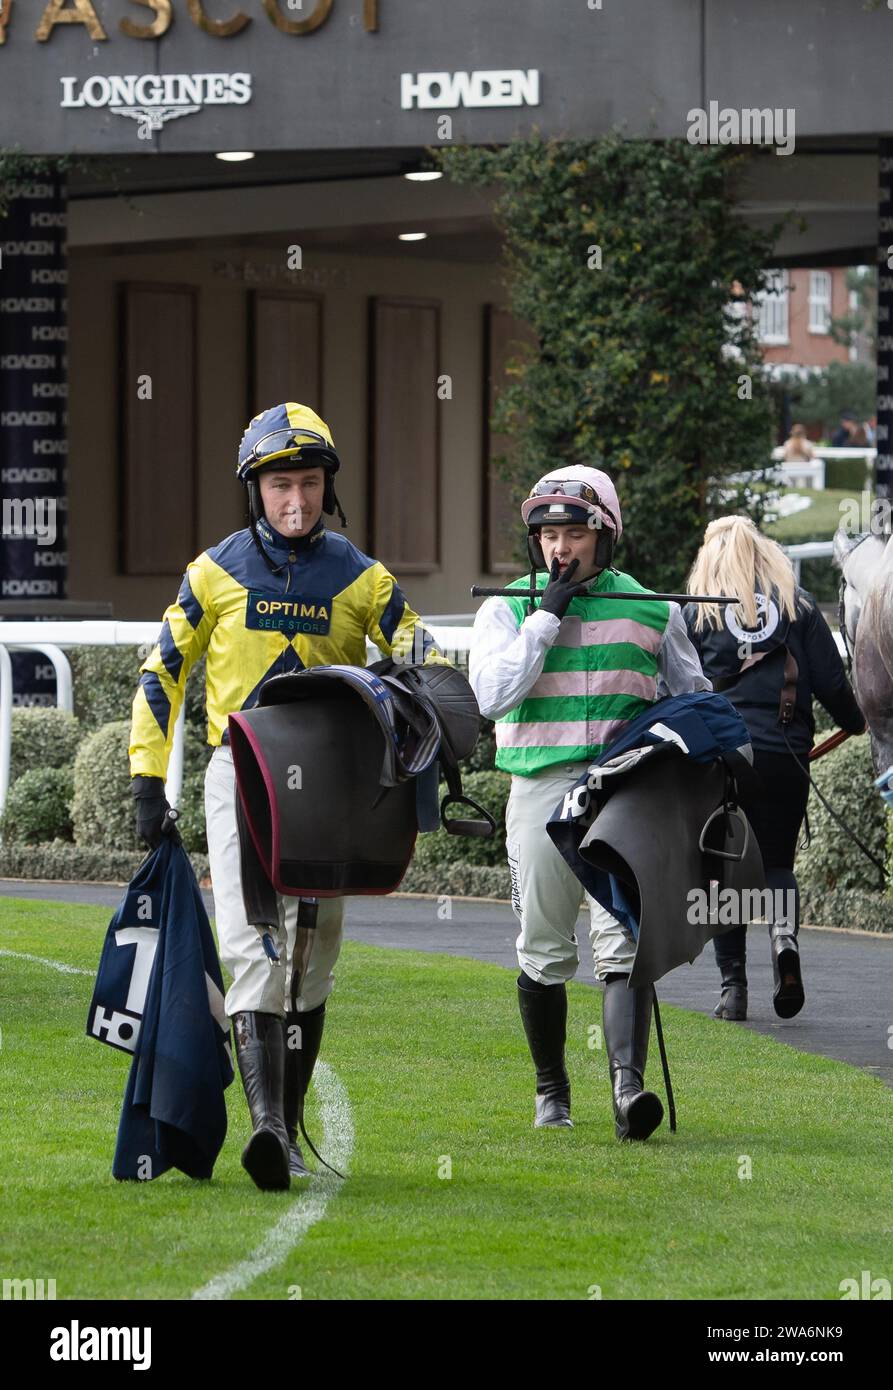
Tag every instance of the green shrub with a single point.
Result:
(830, 390)
(105, 683)
(824, 724)
(630, 370)
(194, 700)
(484, 753)
(191, 822)
(103, 808)
(832, 860)
(846, 907)
(848, 474)
(102, 811)
(438, 849)
(458, 880)
(42, 738)
(78, 863)
(819, 578)
(38, 806)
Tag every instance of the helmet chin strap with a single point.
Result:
(255, 512)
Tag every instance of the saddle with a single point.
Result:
(654, 824)
(670, 827)
(326, 770)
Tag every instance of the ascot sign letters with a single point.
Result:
(84, 13)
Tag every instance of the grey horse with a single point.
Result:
(866, 621)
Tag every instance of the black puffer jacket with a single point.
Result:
(755, 692)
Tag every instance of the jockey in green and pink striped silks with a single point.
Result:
(601, 672)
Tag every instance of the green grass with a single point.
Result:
(818, 521)
(431, 1052)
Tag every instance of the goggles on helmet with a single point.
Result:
(283, 444)
(573, 487)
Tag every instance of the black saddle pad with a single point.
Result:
(308, 774)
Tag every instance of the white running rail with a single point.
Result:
(52, 638)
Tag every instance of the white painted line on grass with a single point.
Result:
(314, 1194)
(53, 964)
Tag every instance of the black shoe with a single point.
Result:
(732, 1004)
(259, 1049)
(544, 1015)
(627, 1023)
(553, 1112)
(789, 996)
(299, 1063)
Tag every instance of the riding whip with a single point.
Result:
(481, 591)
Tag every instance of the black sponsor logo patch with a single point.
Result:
(288, 613)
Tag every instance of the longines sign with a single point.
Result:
(153, 99)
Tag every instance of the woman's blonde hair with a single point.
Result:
(737, 559)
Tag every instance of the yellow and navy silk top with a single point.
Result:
(324, 598)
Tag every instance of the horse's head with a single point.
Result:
(867, 613)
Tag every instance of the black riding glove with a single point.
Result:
(561, 589)
(151, 808)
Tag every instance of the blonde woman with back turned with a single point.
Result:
(769, 655)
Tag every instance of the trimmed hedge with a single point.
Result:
(42, 738)
(848, 475)
(824, 724)
(58, 860)
(102, 811)
(38, 807)
(437, 849)
(483, 756)
(105, 683)
(847, 907)
(103, 808)
(832, 860)
(458, 880)
(191, 821)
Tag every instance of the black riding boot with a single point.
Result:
(627, 1023)
(730, 950)
(544, 1015)
(259, 1049)
(301, 1052)
(789, 995)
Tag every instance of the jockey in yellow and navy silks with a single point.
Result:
(261, 605)
(280, 595)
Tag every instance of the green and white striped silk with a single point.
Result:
(600, 673)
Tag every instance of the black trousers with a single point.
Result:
(775, 807)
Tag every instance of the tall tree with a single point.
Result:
(622, 257)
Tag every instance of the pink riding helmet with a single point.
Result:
(606, 505)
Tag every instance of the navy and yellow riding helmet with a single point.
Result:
(288, 436)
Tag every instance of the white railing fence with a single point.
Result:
(451, 631)
(811, 473)
(51, 639)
